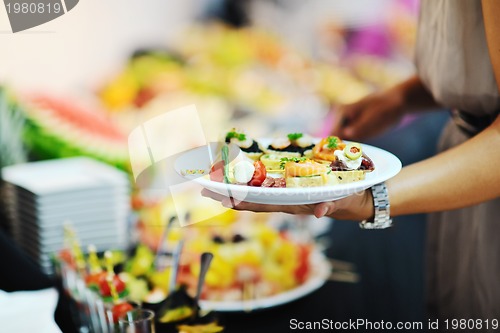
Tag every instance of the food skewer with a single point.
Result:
(119, 307)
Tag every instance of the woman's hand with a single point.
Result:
(369, 116)
(356, 207)
(377, 112)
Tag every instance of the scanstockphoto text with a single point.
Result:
(362, 325)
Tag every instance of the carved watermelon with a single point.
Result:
(56, 128)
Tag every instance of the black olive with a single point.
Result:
(218, 239)
(238, 238)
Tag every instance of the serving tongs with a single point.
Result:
(179, 297)
(162, 245)
(205, 260)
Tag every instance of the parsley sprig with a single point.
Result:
(294, 136)
(284, 160)
(234, 134)
(333, 142)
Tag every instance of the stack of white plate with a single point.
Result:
(89, 196)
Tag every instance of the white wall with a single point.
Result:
(88, 43)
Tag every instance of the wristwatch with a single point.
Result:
(382, 218)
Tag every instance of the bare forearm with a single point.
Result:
(462, 176)
(415, 95)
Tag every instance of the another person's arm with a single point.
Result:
(375, 113)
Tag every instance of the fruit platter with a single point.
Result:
(253, 266)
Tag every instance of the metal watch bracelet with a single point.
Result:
(382, 218)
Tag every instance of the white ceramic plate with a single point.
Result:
(386, 166)
(320, 272)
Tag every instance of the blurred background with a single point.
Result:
(78, 85)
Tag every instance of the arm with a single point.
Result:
(416, 97)
(451, 179)
(377, 112)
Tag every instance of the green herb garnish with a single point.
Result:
(284, 160)
(295, 136)
(225, 158)
(333, 142)
(234, 134)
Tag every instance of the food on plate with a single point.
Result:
(329, 162)
(351, 164)
(293, 145)
(352, 158)
(272, 162)
(324, 151)
(260, 254)
(241, 172)
(302, 172)
(249, 146)
(246, 255)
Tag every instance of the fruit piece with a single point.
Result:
(302, 269)
(204, 328)
(259, 175)
(142, 262)
(217, 172)
(105, 289)
(56, 128)
(176, 314)
(353, 150)
(66, 256)
(93, 280)
(120, 309)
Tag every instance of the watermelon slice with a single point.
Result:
(56, 128)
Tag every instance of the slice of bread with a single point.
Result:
(331, 179)
(282, 153)
(254, 156)
(344, 177)
(311, 181)
(271, 161)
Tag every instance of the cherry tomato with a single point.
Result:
(104, 286)
(259, 174)
(217, 172)
(302, 270)
(120, 309)
(94, 279)
(66, 256)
